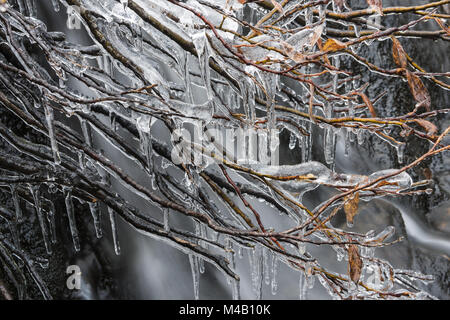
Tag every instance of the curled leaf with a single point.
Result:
(399, 53)
(418, 90)
(427, 125)
(351, 207)
(368, 103)
(354, 263)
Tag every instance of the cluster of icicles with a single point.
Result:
(193, 74)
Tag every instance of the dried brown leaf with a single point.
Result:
(351, 207)
(386, 183)
(399, 53)
(427, 173)
(354, 263)
(333, 45)
(292, 53)
(427, 125)
(418, 90)
(324, 57)
(368, 103)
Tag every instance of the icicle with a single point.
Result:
(51, 132)
(330, 142)
(274, 284)
(37, 204)
(195, 275)
(96, 216)
(236, 289)
(187, 80)
(124, 3)
(302, 286)
(86, 132)
(15, 197)
(292, 141)
(112, 219)
(31, 5)
(198, 232)
(301, 248)
(62, 79)
(257, 273)
(201, 45)
(309, 16)
(360, 137)
(71, 215)
(56, 5)
(309, 277)
(51, 222)
(347, 134)
(400, 152)
(166, 220)
(230, 254)
(240, 252)
(340, 253)
(266, 258)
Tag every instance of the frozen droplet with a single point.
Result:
(124, 3)
(400, 152)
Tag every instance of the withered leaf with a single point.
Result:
(354, 263)
(399, 53)
(386, 183)
(292, 53)
(427, 125)
(333, 45)
(324, 57)
(427, 173)
(418, 90)
(368, 103)
(377, 5)
(351, 207)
